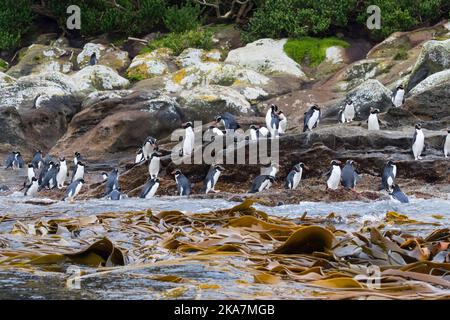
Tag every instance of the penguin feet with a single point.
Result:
(215, 191)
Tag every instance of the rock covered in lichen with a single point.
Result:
(106, 55)
(151, 64)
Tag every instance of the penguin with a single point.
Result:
(349, 111)
(154, 165)
(388, 176)
(30, 176)
(149, 189)
(37, 102)
(418, 142)
(211, 178)
(189, 139)
(139, 156)
(272, 110)
(37, 159)
(398, 195)
(62, 173)
(341, 118)
(262, 182)
(104, 176)
(115, 194)
(294, 177)
(49, 180)
(349, 176)
(372, 121)
(334, 175)
(78, 172)
(77, 158)
(32, 188)
(45, 167)
(312, 118)
(274, 126)
(73, 189)
(112, 183)
(212, 132)
(14, 161)
(150, 145)
(398, 96)
(93, 59)
(263, 132)
(228, 121)
(183, 183)
(253, 133)
(447, 144)
(283, 122)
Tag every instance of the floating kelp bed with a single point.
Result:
(240, 252)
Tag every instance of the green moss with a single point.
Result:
(177, 42)
(402, 54)
(135, 77)
(311, 51)
(3, 65)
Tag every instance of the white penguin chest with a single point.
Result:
(153, 167)
(30, 174)
(312, 121)
(296, 179)
(283, 124)
(419, 142)
(349, 112)
(139, 157)
(152, 190)
(373, 122)
(62, 173)
(253, 135)
(79, 174)
(188, 142)
(335, 177)
(447, 145)
(269, 118)
(398, 99)
(32, 189)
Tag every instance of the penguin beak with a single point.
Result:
(306, 167)
(338, 162)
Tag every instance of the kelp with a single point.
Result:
(266, 251)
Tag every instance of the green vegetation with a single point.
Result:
(200, 38)
(15, 21)
(311, 51)
(402, 54)
(183, 18)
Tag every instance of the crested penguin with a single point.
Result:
(49, 180)
(112, 183)
(349, 111)
(334, 175)
(447, 144)
(262, 182)
(139, 156)
(149, 189)
(228, 121)
(32, 188)
(349, 176)
(73, 189)
(388, 176)
(150, 145)
(312, 118)
(372, 121)
(283, 122)
(77, 158)
(418, 142)
(45, 167)
(37, 159)
(154, 165)
(273, 109)
(62, 173)
(78, 172)
(274, 127)
(398, 96)
(398, 195)
(93, 59)
(189, 139)
(211, 178)
(30, 175)
(183, 183)
(294, 177)
(14, 161)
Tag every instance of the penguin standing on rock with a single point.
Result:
(341, 118)
(49, 180)
(104, 176)
(77, 158)
(150, 145)
(283, 122)
(73, 190)
(14, 161)
(212, 132)
(294, 177)
(349, 111)
(312, 118)
(30, 174)
(398, 195)
(78, 172)
(154, 165)
(272, 121)
(211, 178)
(32, 188)
(93, 59)
(189, 139)
(62, 173)
(447, 144)
(45, 167)
(349, 176)
(37, 159)
(112, 183)
(398, 96)
(334, 175)
(183, 183)
(262, 182)
(388, 176)
(228, 121)
(418, 142)
(372, 122)
(149, 189)
(139, 156)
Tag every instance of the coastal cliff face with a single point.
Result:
(52, 100)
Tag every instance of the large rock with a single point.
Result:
(6, 80)
(434, 57)
(112, 127)
(98, 77)
(152, 64)
(265, 56)
(192, 56)
(106, 55)
(38, 58)
(369, 94)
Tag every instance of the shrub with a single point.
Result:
(200, 38)
(311, 50)
(15, 20)
(187, 17)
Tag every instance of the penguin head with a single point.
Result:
(177, 172)
(219, 168)
(82, 181)
(156, 180)
(155, 155)
(62, 159)
(115, 171)
(335, 162)
(186, 125)
(349, 101)
(30, 165)
(104, 175)
(350, 162)
(271, 179)
(253, 127)
(77, 154)
(18, 153)
(390, 163)
(400, 87)
(274, 107)
(374, 110)
(218, 119)
(315, 107)
(81, 164)
(34, 179)
(303, 166)
(418, 126)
